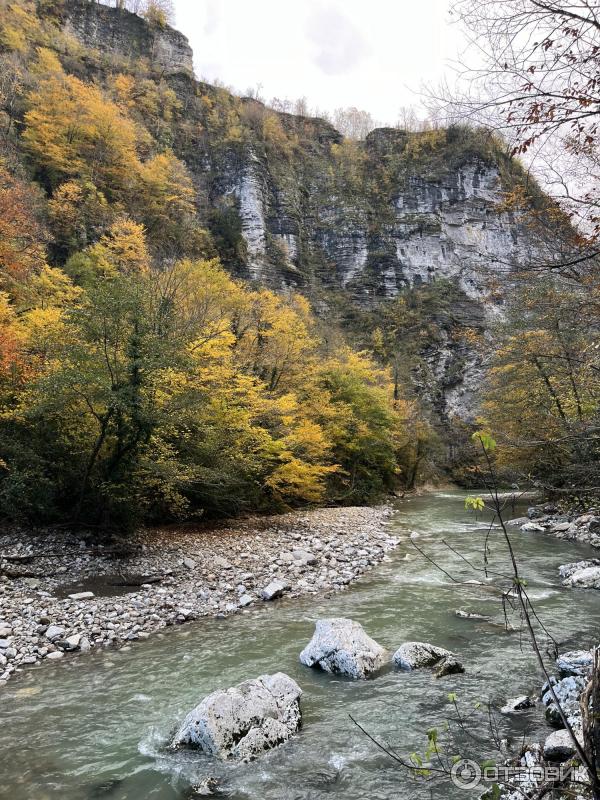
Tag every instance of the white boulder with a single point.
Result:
(559, 747)
(575, 662)
(581, 574)
(517, 704)
(413, 655)
(568, 692)
(244, 721)
(341, 646)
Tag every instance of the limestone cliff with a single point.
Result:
(291, 204)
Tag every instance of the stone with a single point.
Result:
(414, 655)
(518, 521)
(568, 691)
(471, 615)
(71, 643)
(516, 704)
(559, 747)
(221, 563)
(274, 590)
(532, 527)
(54, 632)
(81, 596)
(189, 563)
(448, 666)
(341, 646)
(246, 600)
(575, 662)
(587, 578)
(244, 721)
(304, 557)
(55, 655)
(568, 570)
(560, 527)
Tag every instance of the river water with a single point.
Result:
(96, 726)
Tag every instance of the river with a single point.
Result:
(96, 726)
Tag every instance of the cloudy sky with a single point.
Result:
(374, 55)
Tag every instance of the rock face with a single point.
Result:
(341, 646)
(129, 37)
(414, 655)
(307, 210)
(244, 721)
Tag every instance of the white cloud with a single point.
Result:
(336, 53)
(340, 47)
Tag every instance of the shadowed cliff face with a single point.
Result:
(291, 204)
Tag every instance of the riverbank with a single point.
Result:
(60, 593)
(574, 526)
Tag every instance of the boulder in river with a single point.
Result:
(413, 655)
(532, 527)
(448, 666)
(473, 615)
(575, 662)
(559, 747)
(244, 721)
(568, 692)
(517, 704)
(341, 646)
(581, 574)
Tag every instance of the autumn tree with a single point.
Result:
(21, 234)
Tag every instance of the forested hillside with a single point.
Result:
(208, 306)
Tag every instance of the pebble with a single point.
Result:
(202, 573)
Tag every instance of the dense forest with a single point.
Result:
(143, 377)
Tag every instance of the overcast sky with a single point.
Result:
(374, 55)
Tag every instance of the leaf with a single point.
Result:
(485, 440)
(474, 504)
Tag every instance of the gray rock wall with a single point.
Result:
(128, 36)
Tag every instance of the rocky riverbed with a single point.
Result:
(571, 525)
(62, 593)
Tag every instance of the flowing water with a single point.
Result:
(97, 726)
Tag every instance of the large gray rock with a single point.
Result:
(581, 574)
(274, 590)
(341, 646)
(448, 666)
(559, 747)
(413, 655)
(245, 721)
(54, 632)
(575, 662)
(568, 692)
(518, 704)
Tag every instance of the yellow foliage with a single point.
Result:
(121, 249)
(72, 130)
